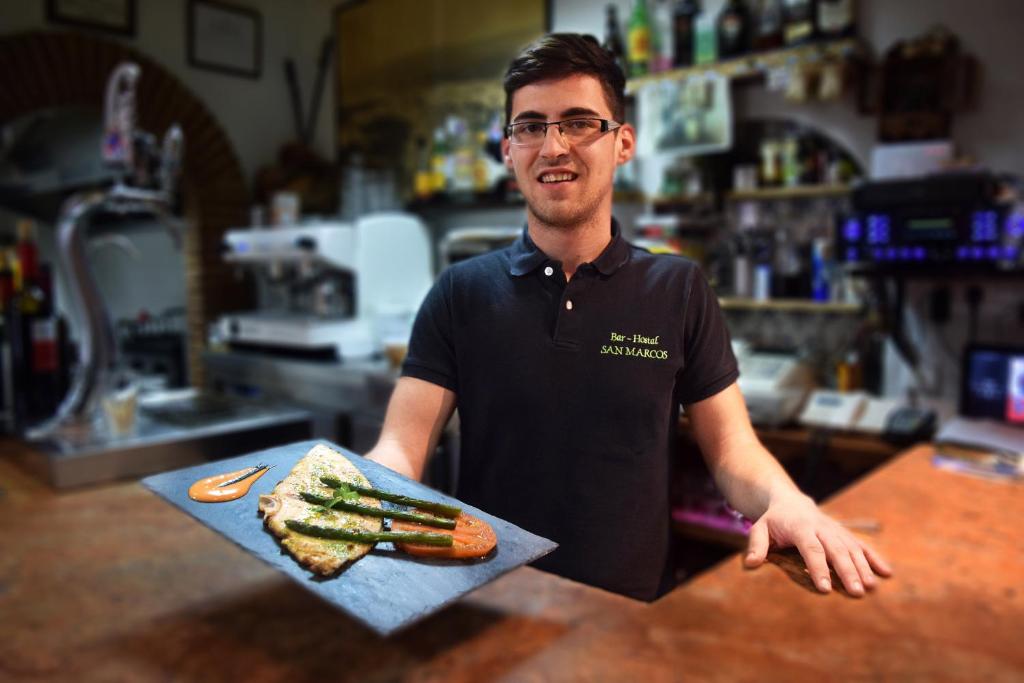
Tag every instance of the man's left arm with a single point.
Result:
(755, 484)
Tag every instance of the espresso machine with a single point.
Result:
(329, 290)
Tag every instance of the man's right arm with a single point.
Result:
(417, 414)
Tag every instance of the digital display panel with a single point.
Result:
(938, 223)
(993, 384)
(932, 228)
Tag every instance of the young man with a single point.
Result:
(569, 353)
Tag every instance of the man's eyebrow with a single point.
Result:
(580, 111)
(572, 111)
(530, 116)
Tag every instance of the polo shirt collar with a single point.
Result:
(527, 257)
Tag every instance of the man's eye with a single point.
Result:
(531, 128)
(578, 124)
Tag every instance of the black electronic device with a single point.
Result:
(964, 221)
(908, 425)
(992, 383)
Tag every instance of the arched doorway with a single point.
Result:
(42, 70)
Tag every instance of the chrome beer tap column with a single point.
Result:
(138, 190)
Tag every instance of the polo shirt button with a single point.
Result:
(549, 271)
(568, 305)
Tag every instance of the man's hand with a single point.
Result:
(794, 520)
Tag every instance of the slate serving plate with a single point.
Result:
(386, 590)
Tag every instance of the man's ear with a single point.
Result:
(505, 154)
(626, 144)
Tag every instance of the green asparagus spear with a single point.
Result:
(339, 504)
(440, 508)
(306, 529)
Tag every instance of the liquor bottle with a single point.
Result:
(684, 28)
(43, 349)
(733, 29)
(791, 166)
(705, 40)
(836, 18)
(439, 162)
(6, 301)
(613, 37)
(639, 40)
(481, 169)
(768, 25)
(423, 184)
(662, 49)
(798, 21)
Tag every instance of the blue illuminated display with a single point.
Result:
(1015, 226)
(878, 229)
(851, 230)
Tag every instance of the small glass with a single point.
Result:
(120, 405)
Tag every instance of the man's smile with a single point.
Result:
(557, 175)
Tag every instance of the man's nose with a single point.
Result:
(554, 144)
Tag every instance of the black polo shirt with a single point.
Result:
(568, 395)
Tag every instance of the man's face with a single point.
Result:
(565, 184)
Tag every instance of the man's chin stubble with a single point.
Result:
(561, 219)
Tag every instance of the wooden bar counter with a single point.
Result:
(111, 583)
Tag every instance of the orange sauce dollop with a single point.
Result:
(208, 491)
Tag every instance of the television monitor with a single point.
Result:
(992, 383)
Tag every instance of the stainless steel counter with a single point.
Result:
(328, 384)
(168, 436)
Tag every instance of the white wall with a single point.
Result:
(256, 114)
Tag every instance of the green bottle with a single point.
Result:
(639, 40)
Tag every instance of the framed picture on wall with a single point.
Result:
(225, 38)
(112, 16)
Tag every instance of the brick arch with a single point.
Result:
(40, 70)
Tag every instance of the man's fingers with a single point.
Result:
(757, 545)
(875, 559)
(814, 557)
(840, 557)
(861, 562)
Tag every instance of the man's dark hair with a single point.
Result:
(558, 55)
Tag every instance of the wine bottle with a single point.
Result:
(733, 29)
(684, 27)
(799, 21)
(613, 37)
(768, 25)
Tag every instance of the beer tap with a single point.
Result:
(135, 156)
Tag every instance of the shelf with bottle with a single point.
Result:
(743, 37)
(756, 64)
(794, 192)
(790, 305)
(33, 336)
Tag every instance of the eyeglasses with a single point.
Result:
(574, 131)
